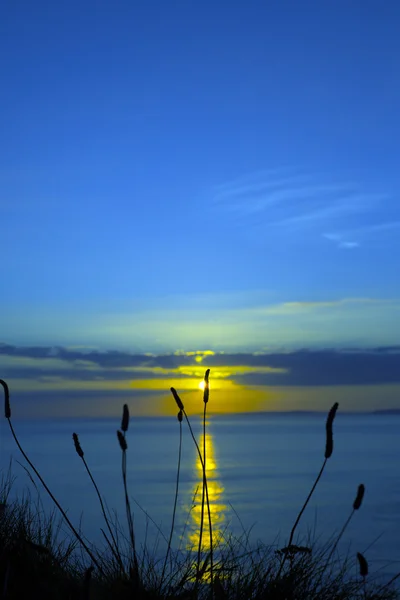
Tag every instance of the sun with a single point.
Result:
(201, 384)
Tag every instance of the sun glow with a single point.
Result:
(202, 385)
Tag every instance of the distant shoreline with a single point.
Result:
(234, 415)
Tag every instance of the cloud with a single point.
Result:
(291, 204)
(354, 237)
(338, 240)
(297, 368)
(87, 383)
(73, 367)
(330, 368)
(255, 181)
(349, 245)
(291, 308)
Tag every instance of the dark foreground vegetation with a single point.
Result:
(36, 561)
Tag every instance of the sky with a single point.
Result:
(200, 180)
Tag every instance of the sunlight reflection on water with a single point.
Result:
(218, 507)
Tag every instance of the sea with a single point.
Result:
(260, 468)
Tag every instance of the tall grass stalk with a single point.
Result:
(327, 455)
(180, 415)
(206, 394)
(124, 446)
(114, 546)
(182, 408)
(7, 413)
(356, 505)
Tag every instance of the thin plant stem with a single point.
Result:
(301, 514)
(203, 494)
(339, 537)
(202, 466)
(182, 408)
(205, 487)
(128, 510)
(206, 394)
(175, 504)
(54, 499)
(328, 453)
(114, 549)
(356, 506)
(306, 502)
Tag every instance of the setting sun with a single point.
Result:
(201, 384)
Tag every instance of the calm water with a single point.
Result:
(262, 466)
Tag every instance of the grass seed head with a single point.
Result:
(359, 497)
(363, 564)
(77, 445)
(177, 399)
(180, 416)
(206, 392)
(7, 406)
(125, 418)
(329, 431)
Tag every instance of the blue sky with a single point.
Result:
(192, 175)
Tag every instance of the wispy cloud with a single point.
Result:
(340, 242)
(295, 308)
(254, 179)
(352, 238)
(288, 202)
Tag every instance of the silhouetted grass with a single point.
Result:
(38, 559)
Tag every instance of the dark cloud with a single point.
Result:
(112, 358)
(329, 367)
(302, 368)
(91, 403)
